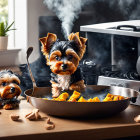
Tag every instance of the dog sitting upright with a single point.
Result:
(63, 58)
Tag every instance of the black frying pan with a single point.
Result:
(82, 109)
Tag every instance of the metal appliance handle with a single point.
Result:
(127, 26)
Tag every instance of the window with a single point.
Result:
(25, 13)
(3, 10)
(7, 14)
(11, 56)
(11, 18)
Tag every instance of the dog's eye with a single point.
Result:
(57, 58)
(15, 82)
(70, 57)
(3, 83)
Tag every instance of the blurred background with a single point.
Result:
(35, 18)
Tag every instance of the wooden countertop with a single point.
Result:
(121, 125)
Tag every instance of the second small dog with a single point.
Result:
(63, 58)
(9, 89)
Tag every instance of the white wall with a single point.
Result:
(27, 14)
(35, 8)
(21, 28)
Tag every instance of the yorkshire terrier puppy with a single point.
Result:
(63, 58)
(9, 89)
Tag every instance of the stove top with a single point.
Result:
(110, 28)
(114, 72)
(113, 76)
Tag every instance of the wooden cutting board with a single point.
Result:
(121, 125)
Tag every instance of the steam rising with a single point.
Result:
(130, 8)
(67, 11)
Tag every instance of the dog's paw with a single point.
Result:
(10, 106)
(78, 86)
(56, 92)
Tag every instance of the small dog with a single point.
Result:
(63, 58)
(9, 89)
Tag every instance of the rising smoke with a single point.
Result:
(67, 11)
(130, 8)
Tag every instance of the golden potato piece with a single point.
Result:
(72, 100)
(110, 95)
(116, 98)
(106, 99)
(82, 99)
(62, 97)
(90, 100)
(121, 97)
(96, 99)
(74, 96)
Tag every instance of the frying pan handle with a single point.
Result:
(29, 51)
(133, 99)
(127, 26)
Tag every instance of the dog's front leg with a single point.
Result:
(79, 86)
(56, 90)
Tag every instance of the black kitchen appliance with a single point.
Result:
(115, 49)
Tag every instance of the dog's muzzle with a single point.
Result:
(64, 66)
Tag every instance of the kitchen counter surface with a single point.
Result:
(121, 125)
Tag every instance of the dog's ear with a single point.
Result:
(80, 42)
(47, 42)
(9, 71)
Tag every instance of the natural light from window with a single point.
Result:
(7, 15)
(3, 10)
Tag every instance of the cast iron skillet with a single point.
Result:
(82, 109)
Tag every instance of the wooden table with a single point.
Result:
(121, 125)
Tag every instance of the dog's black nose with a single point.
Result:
(64, 66)
(12, 89)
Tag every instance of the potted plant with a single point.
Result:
(4, 28)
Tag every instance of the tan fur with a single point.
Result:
(56, 90)
(78, 86)
(10, 106)
(51, 38)
(75, 58)
(56, 66)
(8, 79)
(5, 92)
(80, 41)
(11, 81)
(46, 44)
(54, 54)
